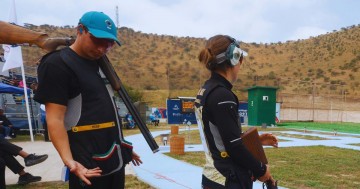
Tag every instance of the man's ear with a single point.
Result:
(80, 28)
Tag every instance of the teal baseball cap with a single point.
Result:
(100, 25)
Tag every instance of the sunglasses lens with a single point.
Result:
(102, 42)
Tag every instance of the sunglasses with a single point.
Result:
(108, 43)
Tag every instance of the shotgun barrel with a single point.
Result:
(116, 84)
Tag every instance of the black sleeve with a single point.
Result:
(54, 79)
(5, 120)
(223, 108)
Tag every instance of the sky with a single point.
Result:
(259, 21)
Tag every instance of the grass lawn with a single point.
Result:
(301, 167)
(305, 167)
(26, 138)
(295, 167)
(339, 127)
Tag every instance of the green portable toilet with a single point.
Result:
(261, 105)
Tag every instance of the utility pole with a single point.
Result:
(342, 108)
(117, 16)
(313, 101)
(345, 105)
(297, 101)
(168, 78)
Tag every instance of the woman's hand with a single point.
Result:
(83, 173)
(268, 139)
(266, 176)
(136, 159)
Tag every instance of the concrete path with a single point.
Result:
(159, 170)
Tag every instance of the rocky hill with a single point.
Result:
(327, 64)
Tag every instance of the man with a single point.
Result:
(154, 120)
(80, 114)
(6, 126)
(7, 153)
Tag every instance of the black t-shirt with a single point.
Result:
(67, 79)
(61, 82)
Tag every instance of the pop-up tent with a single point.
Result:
(5, 88)
(9, 89)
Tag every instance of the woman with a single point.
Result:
(228, 163)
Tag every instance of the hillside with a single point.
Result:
(327, 64)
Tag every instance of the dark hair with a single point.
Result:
(214, 46)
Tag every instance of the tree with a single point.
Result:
(134, 94)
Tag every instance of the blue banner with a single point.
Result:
(175, 115)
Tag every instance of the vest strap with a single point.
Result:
(92, 127)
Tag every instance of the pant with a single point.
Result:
(11, 162)
(9, 148)
(237, 179)
(2, 173)
(113, 181)
(232, 185)
(8, 131)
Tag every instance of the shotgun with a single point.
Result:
(13, 34)
(117, 85)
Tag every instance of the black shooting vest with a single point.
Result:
(90, 119)
(216, 167)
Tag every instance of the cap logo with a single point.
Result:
(108, 24)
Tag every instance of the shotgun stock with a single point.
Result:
(116, 84)
(14, 34)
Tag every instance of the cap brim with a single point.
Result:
(104, 35)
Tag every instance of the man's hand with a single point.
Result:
(268, 139)
(83, 173)
(136, 159)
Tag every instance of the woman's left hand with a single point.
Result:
(268, 139)
(136, 159)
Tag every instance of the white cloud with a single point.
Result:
(246, 20)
